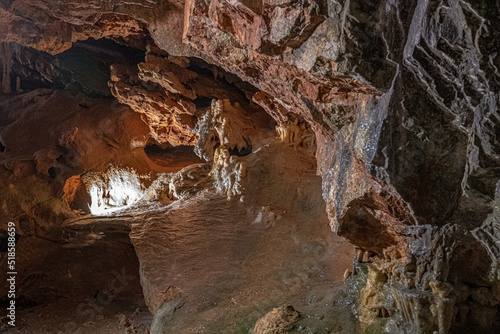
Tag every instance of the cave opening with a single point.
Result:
(172, 156)
(240, 152)
(58, 279)
(202, 102)
(83, 67)
(115, 190)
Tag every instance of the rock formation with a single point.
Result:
(223, 136)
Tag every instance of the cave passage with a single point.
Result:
(176, 156)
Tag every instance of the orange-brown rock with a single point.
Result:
(76, 195)
(169, 120)
(43, 152)
(31, 23)
(234, 36)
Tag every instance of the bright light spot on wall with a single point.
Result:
(115, 190)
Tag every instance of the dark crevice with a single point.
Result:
(177, 156)
(85, 67)
(240, 153)
(53, 172)
(202, 102)
(244, 90)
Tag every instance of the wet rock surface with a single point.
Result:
(394, 104)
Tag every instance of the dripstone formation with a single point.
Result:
(238, 155)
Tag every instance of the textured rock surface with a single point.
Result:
(399, 100)
(231, 264)
(279, 320)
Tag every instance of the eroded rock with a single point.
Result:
(279, 320)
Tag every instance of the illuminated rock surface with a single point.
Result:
(247, 152)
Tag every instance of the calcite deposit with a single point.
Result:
(320, 166)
